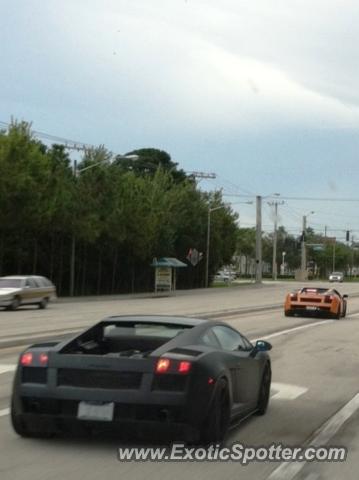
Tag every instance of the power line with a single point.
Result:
(70, 144)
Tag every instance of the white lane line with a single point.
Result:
(286, 391)
(7, 368)
(4, 412)
(294, 329)
(288, 470)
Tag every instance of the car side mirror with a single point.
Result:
(345, 296)
(262, 346)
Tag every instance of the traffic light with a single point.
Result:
(347, 236)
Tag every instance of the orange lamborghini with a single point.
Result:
(316, 301)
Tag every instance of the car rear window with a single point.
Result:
(314, 290)
(143, 329)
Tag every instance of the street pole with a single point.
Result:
(207, 248)
(274, 262)
(258, 239)
(73, 250)
(334, 244)
(283, 263)
(304, 256)
(275, 239)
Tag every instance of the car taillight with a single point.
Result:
(163, 365)
(26, 359)
(293, 296)
(184, 367)
(44, 358)
(328, 298)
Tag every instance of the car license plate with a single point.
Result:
(95, 411)
(311, 308)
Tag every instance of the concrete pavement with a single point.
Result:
(317, 360)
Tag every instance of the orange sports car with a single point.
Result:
(316, 301)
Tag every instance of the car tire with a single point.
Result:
(43, 303)
(338, 315)
(344, 310)
(14, 304)
(264, 391)
(288, 313)
(217, 421)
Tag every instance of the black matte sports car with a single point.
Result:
(199, 375)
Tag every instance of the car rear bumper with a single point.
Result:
(61, 415)
(316, 310)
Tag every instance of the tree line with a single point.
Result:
(120, 214)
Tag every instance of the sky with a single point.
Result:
(263, 93)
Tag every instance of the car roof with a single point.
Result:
(21, 277)
(171, 320)
(16, 277)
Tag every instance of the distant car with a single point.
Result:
(224, 277)
(25, 290)
(316, 301)
(336, 277)
(194, 376)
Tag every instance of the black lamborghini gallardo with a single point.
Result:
(143, 371)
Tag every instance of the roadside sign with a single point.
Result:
(163, 278)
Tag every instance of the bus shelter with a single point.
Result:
(165, 273)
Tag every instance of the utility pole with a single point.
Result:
(304, 256)
(73, 249)
(303, 267)
(274, 261)
(207, 248)
(258, 239)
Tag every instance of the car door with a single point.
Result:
(244, 368)
(30, 293)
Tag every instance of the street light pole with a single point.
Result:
(275, 237)
(258, 239)
(210, 210)
(303, 257)
(73, 250)
(207, 247)
(304, 251)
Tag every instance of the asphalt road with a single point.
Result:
(315, 365)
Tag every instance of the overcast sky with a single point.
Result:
(263, 93)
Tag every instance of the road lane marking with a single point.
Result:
(294, 329)
(7, 368)
(4, 412)
(287, 391)
(288, 470)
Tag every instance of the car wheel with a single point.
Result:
(216, 424)
(344, 310)
(338, 314)
(288, 313)
(43, 303)
(264, 392)
(14, 304)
